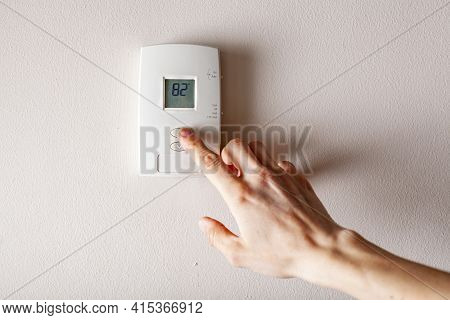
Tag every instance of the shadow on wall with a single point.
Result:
(238, 70)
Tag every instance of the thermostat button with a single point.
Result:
(176, 146)
(175, 132)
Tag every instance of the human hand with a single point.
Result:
(285, 231)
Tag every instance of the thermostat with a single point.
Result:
(179, 87)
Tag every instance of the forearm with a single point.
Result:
(366, 271)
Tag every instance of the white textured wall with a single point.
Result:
(379, 145)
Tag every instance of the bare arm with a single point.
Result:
(285, 231)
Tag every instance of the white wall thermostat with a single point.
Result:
(179, 87)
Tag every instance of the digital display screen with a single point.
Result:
(179, 94)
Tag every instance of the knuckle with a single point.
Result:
(349, 236)
(210, 160)
(241, 199)
(235, 142)
(244, 192)
(196, 142)
(265, 174)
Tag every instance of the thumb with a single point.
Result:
(221, 238)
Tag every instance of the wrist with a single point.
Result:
(346, 264)
(354, 260)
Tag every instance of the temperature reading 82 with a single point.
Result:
(179, 89)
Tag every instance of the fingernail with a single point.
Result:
(186, 132)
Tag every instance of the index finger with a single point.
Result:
(211, 164)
